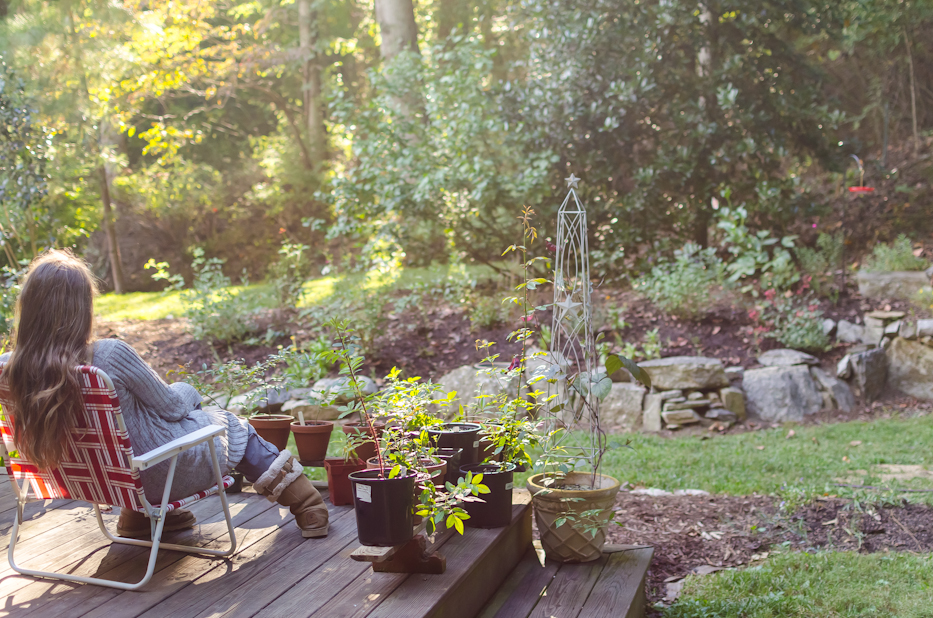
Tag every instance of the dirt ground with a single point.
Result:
(705, 533)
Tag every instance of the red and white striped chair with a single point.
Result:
(100, 468)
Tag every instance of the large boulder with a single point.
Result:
(470, 381)
(869, 371)
(892, 284)
(781, 394)
(621, 410)
(786, 357)
(686, 372)
(339, 388)
(910, 368)
(839, 391)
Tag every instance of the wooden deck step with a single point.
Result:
(613, 585)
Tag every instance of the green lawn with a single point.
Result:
(796, 469)
(156, 305)
(821, 585)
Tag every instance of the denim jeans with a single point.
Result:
(258, 457)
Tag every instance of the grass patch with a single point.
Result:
(319, 291)
(797, 469)
(824, 585)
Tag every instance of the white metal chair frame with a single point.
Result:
(169, 451)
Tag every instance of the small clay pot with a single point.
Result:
(273, 428)
(339, 489)
(311, 439)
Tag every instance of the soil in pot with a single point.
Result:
(273, 428)
(458, 435)
(496, 511)
(367, 449)
(574, 493)
(311, 439)
(338, 479)
(452, 457)
(383, 508)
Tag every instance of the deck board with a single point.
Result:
(621, 584)
(274, 572)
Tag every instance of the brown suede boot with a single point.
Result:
(286, 483)
(135, 524)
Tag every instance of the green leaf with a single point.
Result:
(458, 524)
(614, 362)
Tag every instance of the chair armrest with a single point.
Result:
(166, 451)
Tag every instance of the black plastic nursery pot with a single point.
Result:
(383, 508)
(496, 511)
(452, 457)
(458, 435)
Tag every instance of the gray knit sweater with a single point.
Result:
(156, 413)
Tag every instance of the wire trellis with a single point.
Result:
(572, 351)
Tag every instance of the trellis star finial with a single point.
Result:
(572, 181)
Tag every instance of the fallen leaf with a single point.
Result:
(855, 443)
(845, 458)
(760, 448)
(918, 252)
(760, 556)
(790, 434)
(831, 522)
(815, 441)
(716, 329)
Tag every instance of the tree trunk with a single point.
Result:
(110, 138)
(311, 82)
(397, 26)
(913, 94)
(113, 248)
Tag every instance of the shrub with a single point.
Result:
(215, 311)
(822, 261)
(898, 256)
(684, 287)
(487, 312)
(288, 274)
(795, 324)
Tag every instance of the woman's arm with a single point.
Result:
(142, 382)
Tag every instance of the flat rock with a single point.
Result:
(688, 405)
(886, 315)
(786, 357)
(683, 372)
(622, 407)
(839, 391)
(735, 373)
(924, 328)
(892, 285)
(675, 394)
(829, 327)
(680, 417)
(874, 331)
(734, 400)
(781, 394)
(869, 373)
(722, 415)
(910, 368)
(651, 417)
(847, 332)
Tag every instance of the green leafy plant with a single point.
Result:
(215, 311)
(899, 255)
(794, 322)
(684, 286)
(756, 253)
(821, 262)
(486, 313)
(288, 274)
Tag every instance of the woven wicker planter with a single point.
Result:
(566, 543)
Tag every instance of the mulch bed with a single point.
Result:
(703, 534)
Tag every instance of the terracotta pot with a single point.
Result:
(273, 428)
(338, 479)
(551, 503)
(311, 439)
(368, 449)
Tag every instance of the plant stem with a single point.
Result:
(356, 387)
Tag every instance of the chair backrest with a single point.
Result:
(96, 467)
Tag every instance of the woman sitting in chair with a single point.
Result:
(53, 334)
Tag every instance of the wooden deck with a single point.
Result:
(274, 572)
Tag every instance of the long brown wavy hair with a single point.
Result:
(54, 325)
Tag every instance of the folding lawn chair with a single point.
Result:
(100, 468)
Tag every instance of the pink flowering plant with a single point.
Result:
(793, 318)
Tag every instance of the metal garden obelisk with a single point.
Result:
(573, 346)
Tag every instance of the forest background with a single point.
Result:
(411, 132)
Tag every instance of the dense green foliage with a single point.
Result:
(233, 126)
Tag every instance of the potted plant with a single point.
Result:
(384, 497)
(312, 438)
